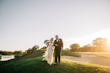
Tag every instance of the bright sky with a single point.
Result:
(25, 23)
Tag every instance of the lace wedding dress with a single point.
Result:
(49, 54)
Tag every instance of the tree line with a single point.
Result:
(97, 45)
(34, 48)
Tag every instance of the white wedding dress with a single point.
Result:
(49, 54)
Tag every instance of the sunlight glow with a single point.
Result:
(88, 39)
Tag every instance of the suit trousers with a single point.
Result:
(57, 54)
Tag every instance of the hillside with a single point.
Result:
(32, 63)
(36, 65)
(30, 55)
(26, 56)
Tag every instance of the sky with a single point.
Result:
(25, 23)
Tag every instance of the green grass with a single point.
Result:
(69, 53)
(18, 54)
(36, 54)
(23, 57)
(35, 65)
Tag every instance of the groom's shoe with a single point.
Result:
(55, 63)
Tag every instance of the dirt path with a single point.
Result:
(88, 58)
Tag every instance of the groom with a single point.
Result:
(58, 43)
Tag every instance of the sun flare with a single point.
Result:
(88, 39)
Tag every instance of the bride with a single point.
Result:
(49, 52)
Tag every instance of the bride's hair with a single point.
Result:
(56, 35)
(51, 39)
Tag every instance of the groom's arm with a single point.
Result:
(61, 44)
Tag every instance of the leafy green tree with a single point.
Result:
(1, 52)
(74, 47)
(43, 48)
(25, 52)
(5, 52)
(34, 48)
(86, 48)
(10, 52)
(15, 52)
(100, 44)
(29, 50)
(20, 52)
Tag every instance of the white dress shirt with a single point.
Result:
(57, 40)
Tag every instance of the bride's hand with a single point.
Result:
(56, 44)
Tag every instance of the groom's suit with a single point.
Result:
(58, 49)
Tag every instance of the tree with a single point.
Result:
(20, 52)
(86, 48)
(10, 52)
(1, 52)
(74, 47)
(29, 50)
(43, 48)
(5, 53)
(25, 52)
(100, 44)
(15, 52)
(34, 48)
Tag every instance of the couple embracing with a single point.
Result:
(58, 46)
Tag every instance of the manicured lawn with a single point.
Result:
(69, 53)
(32, 63)
(19, 54)
(35, 65)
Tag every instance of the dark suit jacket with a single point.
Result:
(60, 43)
